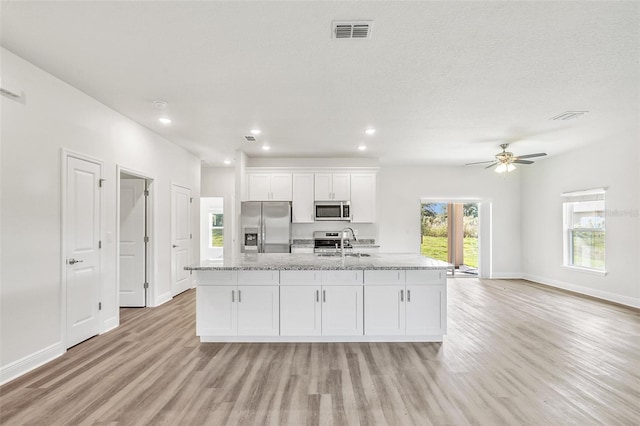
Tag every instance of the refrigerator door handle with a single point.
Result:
(260, 235)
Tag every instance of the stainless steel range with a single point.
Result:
(329, 242)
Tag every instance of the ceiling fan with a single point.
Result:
(505, 160)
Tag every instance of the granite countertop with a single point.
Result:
(285, 261)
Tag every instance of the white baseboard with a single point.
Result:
(506, 276)
(163, 298)
(30, 362)
(605, 295)
(110, 324)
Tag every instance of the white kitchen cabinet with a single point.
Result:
(426, 310)
(332, 186)
(300, 310)
(216, 310)
(342, 310)
(363, 198)
(270, 186)
(302, 205)
(384, 310)
(258, 310)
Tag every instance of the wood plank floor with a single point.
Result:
(516, 353)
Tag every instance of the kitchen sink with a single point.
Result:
(340, 255)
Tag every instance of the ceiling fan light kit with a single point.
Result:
(505, 160)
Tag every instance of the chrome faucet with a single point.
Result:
(353, 234)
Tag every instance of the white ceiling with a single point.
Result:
(442, 82)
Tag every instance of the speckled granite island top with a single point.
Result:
(300, 262)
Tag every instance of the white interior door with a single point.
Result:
(180, 237)
(132, 245)
(82, 235)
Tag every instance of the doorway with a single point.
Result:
(212, 228)
(81, 245)
(133, 240)
(450, 232)
(181, 237)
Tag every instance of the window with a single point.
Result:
(584, 229)
(216, 228)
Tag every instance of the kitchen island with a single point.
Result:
(312, 298)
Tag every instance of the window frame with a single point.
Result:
(211, 228)
(568, 200)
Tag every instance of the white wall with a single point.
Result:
(400, 189)
(56, 116)
(612, 164)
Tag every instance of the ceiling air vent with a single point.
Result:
(569, 115)
(250, 138)
(352, 29)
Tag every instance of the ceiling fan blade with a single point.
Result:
(540, 154)
(491, 165)
(522, 162)
(480, 162)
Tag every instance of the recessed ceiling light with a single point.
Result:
(362, 147)
(370, 131)
(164, 120)
(227, 162)
(266, 147)
(256, 131)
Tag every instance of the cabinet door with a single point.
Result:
(302, 206)
(323, 186)
(426, 310)
(363, 198)
(258, 310)
(341, 186)
(384, 310)
(300, 312)
(259, 186)
(342, 313)
(216, 310)
(281, 187)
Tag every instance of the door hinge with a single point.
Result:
(146, 239)
(191, 236)
(190, 272)
(100, 182)
(99, 244)
(191, 199)
(99, 306)
(146, 285)
(146, 192)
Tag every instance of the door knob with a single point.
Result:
(73, 261)
(174, 246)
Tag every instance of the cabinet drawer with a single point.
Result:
(300, 277)
(216, 277)
(341, 277)
(267, 277)
(427, 277)
(384, 277)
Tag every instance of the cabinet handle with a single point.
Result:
(239, 296)
(402, 295)
(317, 295)
(233, 296)
(408, 295)
(324, 296)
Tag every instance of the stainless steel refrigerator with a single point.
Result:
(266, 226)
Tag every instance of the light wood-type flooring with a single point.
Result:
(516, 353)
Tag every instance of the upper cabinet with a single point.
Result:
(302, 206)
(270, 187)
(332, 186)
(363, 198)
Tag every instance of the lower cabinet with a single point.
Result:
(300, 311)
(321, 310)
(238, 310)
(426, 310)
(342, 310)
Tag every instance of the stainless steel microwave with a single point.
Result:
(332, 210)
